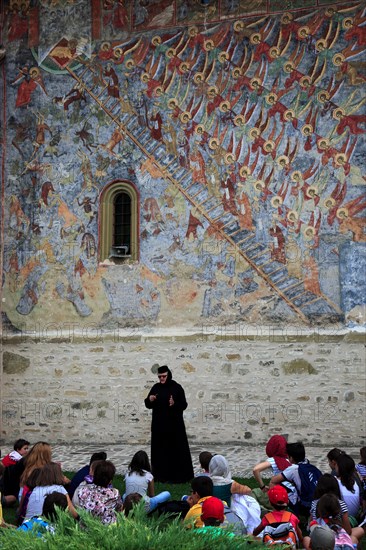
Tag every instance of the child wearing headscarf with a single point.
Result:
(277, 461)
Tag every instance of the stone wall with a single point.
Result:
(241, 385)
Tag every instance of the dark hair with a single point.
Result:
(31, 482)
(52, 500)
(130, 501)
(2, 468)
(212, 522)
(363, 455)
(98, 456)
(139, 463)
(203, 486)
(346, 471)
(334, 454)
(94, 464)
(296, 451)
(20, 443)
(327, 483)
(104, 473)
(328, 507)
(50, 474)
(204, 459)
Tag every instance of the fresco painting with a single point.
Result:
(244, 134)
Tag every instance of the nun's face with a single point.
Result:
(163, 377)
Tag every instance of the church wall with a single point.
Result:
(241, 386)
(240, 128)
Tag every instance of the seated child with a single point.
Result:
(83, 472)
(139, 479)
(204, 460)
(361, 466)
(130, 501)
(202, 488)
(328, 512)
(278, 497)
(303, 475)
(87, 479)
(40, 524)
(328, 484)
(321, 538)
(21, 448)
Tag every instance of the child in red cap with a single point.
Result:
(278, 497)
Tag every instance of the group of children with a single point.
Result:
(330, 507)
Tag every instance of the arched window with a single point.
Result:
(118, 235)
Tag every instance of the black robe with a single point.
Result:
(170, 455)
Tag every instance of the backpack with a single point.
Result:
(343, 540)
(309, 476)
(279, 532)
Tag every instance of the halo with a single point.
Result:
(311, 188)
(34, 72)
(200, 129)
(303, 32)
(130, 63)
(245, 171)
(307, 129)
(185, 117)
(283, 158)
(272, 98)
(289, 67)
(184, 67)
(223, 56)
(269, 145)
(254, 133)
(198, 78)
(212, 91)
(172, 103)
(159, 91)
(213, 143)
(323, 96)
(255, 82)
(338, 113)
(340, 158)
(145, 77)
(171, 52)
(289, 115)
(347, 22)
(229, 158)
(309, 233)
(323, 143)
(296, 176)
(105, 46)
(118, 52)
(342, 212)
(255, 38)
(292, 215)
(156, 40)
(276, 201)
(259, 185)
(338, 59)
(274, 52)
(321, 44)
(224, 106)
(208, 45)
(238, 26)
(239, 120)
(305, 81)
(286, 18)
(235, 73)
(329, 202)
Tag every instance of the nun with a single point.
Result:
(170, 455)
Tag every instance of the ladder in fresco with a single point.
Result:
(258, 255)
